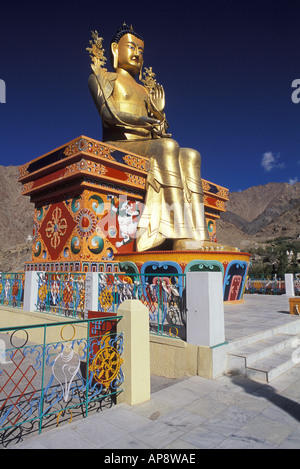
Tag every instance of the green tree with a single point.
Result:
(282, 263)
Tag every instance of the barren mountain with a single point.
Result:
(253, 202)
(16, 217)
(261, 213)
(16, 211)
(253, 216)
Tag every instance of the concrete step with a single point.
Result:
(262, 348)
(273, 366)
(264, 359)
(291, 328)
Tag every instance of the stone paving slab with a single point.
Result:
(256, 314)
(227, 413)
(231, 412)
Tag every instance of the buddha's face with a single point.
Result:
(129, 53)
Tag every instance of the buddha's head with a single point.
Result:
(127, 48)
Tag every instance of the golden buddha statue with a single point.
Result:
(133, 119)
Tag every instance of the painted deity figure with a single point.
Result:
(134, 120)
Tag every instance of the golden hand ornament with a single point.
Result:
(157, 101)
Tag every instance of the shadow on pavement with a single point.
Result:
(268, 392)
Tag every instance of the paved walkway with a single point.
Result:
(258, 313)
(188, 414)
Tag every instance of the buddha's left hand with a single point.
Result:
(157, 99)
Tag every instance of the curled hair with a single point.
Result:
(125, 29)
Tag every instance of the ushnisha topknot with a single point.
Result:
(125, 29)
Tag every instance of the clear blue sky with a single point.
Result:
(226, 66)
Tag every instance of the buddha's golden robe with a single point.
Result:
(174, 197)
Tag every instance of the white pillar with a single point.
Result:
(136, 355)
(205, 308)
(31, 291)
(91, 292)
(289, 284)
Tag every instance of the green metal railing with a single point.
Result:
(61, 293)
(162, 294)
(266, 286)
(12, 289)
(57, 372)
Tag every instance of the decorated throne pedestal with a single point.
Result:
(88, 197)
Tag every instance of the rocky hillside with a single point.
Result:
(261, 213)
(16, 211)
(16, 216)
(253, 217)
